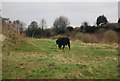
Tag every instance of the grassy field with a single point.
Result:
(41, 59)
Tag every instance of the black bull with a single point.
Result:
(63, 41)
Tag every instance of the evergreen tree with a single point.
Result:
(119, 20)
(101, 19)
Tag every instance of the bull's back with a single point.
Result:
(64, 41)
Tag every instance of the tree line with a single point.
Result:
(61, 25)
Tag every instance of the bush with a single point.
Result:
(70, 28)
(87, 38)
(110, 36)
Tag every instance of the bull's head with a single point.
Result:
(56, 41)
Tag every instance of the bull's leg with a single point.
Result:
(59, 46)
(63, 46)
(69, 45)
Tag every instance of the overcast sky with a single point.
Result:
(76, 12)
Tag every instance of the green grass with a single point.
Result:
(42, 59)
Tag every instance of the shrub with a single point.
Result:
(87, 38)
(110, 36)
(70, 28)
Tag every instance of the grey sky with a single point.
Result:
(119, 9)
(76, 12)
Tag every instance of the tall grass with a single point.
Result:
(107, 37)
(110, 36)
(12, 36)
(11, 30)
(87, 38)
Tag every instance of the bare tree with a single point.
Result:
(85, 23)
(61, 21)
(43, 24)
(84, 26)
(60, 24)
(20, 25)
